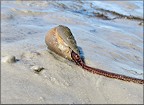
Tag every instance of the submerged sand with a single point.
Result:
(112, 45)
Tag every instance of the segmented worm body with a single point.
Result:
(79, 62)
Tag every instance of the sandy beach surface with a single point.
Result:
(109, 35)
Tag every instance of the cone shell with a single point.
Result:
(61, 41)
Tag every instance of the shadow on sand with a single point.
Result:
(81, 54)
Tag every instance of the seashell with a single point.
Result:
(37, 68)
(8, 59)
(61, 41)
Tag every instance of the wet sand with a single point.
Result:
(112, 45)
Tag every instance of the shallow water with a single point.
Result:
(107, 44)
(107, 38)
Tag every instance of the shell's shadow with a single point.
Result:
(81, 54)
